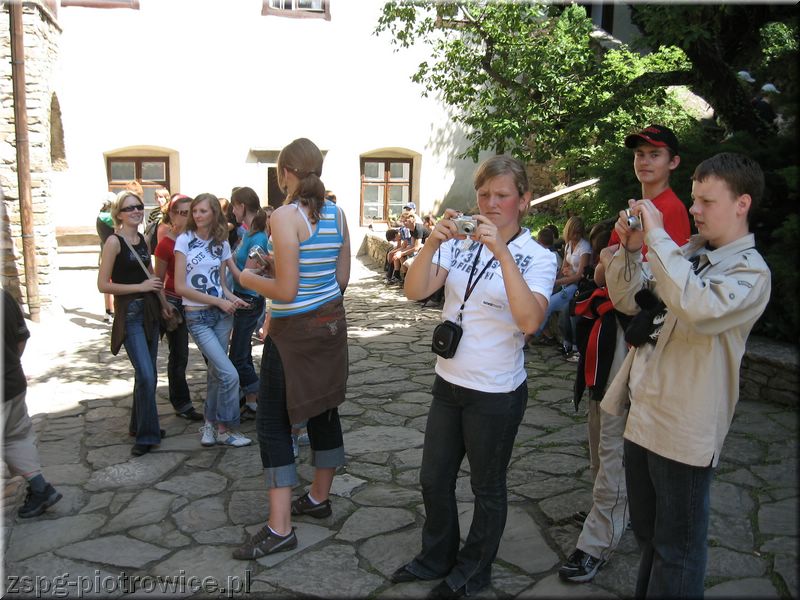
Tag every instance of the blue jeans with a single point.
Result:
(142, 354)
(275, 430)
(177, 361)
(669, 506)
(483, 426)
(245, 321)
(558, 302)
(210, 329)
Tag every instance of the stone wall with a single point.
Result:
(769, 370)
(41, 34)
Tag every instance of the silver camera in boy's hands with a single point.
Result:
(633, 221)
(465, 225)
(259, 255)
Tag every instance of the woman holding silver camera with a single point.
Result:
(247, 210)
(497, 282)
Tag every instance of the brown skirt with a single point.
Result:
(313, 349)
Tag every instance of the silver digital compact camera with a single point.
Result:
(259, 255)
(633, 221)
(465, 225)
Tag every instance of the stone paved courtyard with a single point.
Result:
(184, 508)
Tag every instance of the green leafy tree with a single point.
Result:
(526, 78)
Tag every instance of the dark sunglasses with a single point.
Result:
(132, 208)
(182, 213)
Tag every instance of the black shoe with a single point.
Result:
(304, 506)
(190, 415)
(140, 449)
(247, 414)
(443, 591)
(36, 503)
(580, 567)
(265, 542)
(403, 575)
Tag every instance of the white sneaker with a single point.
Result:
(233, 438)
(209, 435)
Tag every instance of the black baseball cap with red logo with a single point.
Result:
(655, 135)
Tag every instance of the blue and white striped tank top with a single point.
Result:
(318, 255)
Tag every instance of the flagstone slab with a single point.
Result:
(373, 520)
(59, 577)
(248, 507)
(140, 472)
(117, 550)
(387, 552)
(552, 587)
(385, 438)
(164, 534)
(201, 562)
(387, 495)
(749, 587)
(777, 518)
(206, 513)
(336, 565)
(109, 455)
(346, 484)
(726, 563)
(151, 506)
(194, 485)
(30, 539)
(241, 462)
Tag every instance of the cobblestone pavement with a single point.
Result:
(183, 508)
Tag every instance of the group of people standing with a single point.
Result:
(302, 265)
(498, 287)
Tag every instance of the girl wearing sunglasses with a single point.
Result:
(138, 298)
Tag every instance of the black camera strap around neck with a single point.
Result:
(470, 285)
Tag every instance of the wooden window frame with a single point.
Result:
(387, 182)
(145, 183)
(132, 4)
(297, 13)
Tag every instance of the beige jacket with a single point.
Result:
(683, 391)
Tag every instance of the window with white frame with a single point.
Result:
(385, 188)
(298, 9)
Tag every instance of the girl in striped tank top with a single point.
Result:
(304, 362)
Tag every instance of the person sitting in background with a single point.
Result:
(404, 243)
(419, 233)
(576, 258)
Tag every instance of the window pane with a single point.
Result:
(123, 171)
(309, 4)
(398, 198)
(149, 197)
(398, 170)
(373, 202)
(373, 170)
(154, 171)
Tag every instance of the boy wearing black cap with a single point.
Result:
(655, 157)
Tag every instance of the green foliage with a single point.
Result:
(526, 78)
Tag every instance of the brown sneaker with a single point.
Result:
(265, 542)
(304, 506)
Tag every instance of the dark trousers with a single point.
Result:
(178, 342)
(482, 426)
(669, 506)
(245, 321)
